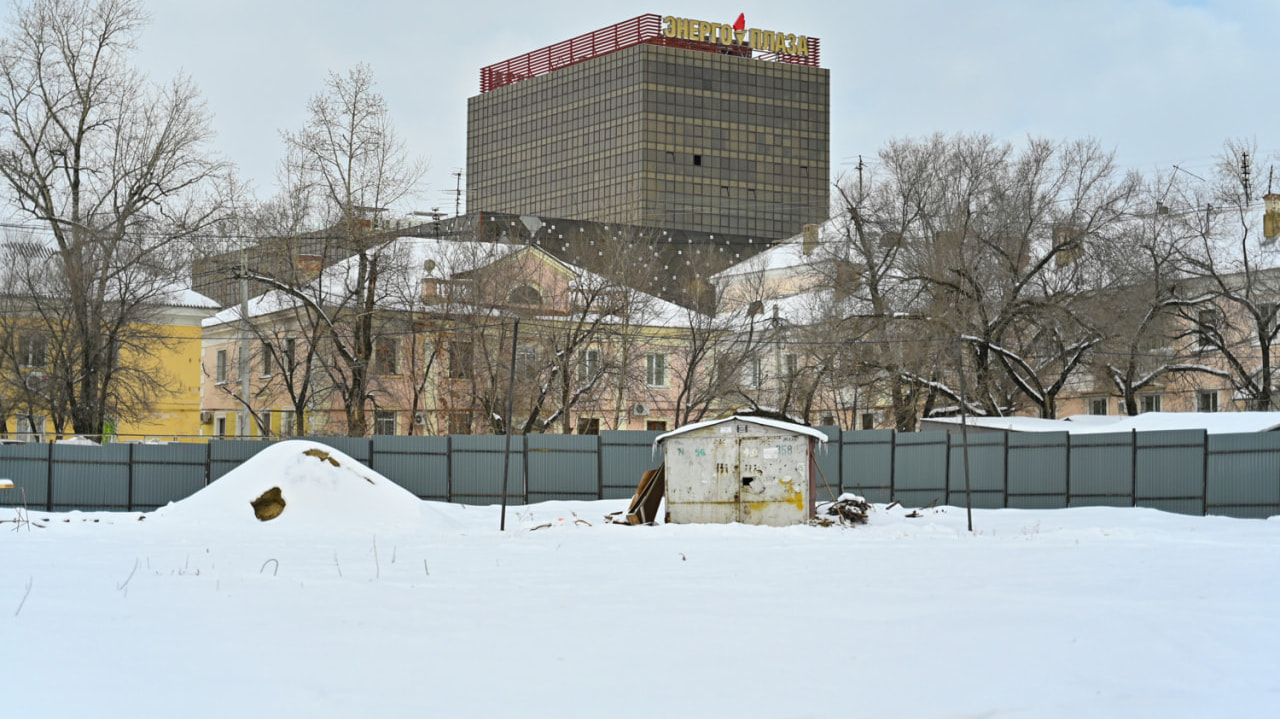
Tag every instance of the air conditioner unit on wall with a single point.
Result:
(419, 418)
(640, 410)
(206, 417)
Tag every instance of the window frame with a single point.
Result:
(588, 365)
(1207, 396)
(381, 419)
(288, 421)
(386, 357)
(28, 356)
(461, 356)
(655, 370)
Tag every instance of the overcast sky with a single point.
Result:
(1162, 82)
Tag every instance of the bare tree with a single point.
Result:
(1229, 312)
(589, 352)
(713, 351)
(998, 236)
(344, 170)
(888, 346)
(1138, 309)
(110, 167)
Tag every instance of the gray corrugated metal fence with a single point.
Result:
(1187, 471)
(460, 468)
(1178, 471)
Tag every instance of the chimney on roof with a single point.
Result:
(810, 239)
(309, 266)
(1271, 218)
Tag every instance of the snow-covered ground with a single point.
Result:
(361, 601)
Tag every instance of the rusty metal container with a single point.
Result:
(740, 469)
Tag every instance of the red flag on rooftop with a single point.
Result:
(741, 23)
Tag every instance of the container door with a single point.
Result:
(702, 480)
(774, 480)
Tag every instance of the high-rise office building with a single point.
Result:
(661, 122)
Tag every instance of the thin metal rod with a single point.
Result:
(964, 435)
(511, 394)
(246, 327)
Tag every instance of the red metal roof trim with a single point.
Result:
(644, 29)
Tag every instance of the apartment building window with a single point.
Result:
(32, 350)
(262, 422)
(220, 426)
(1267, 310)
(384, 422)
(460, 358)
(290, 354)
(792, 364)
(756, 370)
(655, 370)
(220, 367)
(868, 420)
(288, 422)
(588, 425)
(30, 427)
(264, 353)
(459, 423)
(1098, 405)
(656, 425)
(385, 361)
(1207, 328)
(1150, 402)
(525, 295)
(527, 362)
(589, 365)
(1207, 401)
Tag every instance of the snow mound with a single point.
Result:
(298, 483)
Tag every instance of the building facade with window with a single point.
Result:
(589, 355)
(657, 121)
(174, 358)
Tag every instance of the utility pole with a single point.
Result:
(509, 421)
(243, 425)
(1246, 171)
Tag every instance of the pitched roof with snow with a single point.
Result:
(420, 258)
(762, 421)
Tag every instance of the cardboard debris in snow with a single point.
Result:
(646, 501)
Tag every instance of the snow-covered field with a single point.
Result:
(361, 601)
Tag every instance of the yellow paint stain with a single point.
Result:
(794, 497)
(791, 497)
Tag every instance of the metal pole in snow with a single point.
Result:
(964, 435)
(511, 393)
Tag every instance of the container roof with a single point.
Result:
(762, 421)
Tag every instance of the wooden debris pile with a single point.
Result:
(847, 511)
